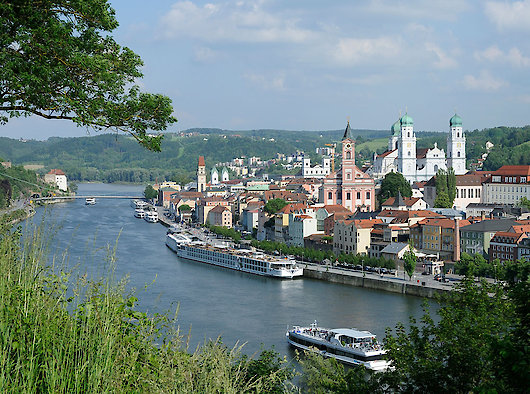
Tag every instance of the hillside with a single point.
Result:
(112, 158)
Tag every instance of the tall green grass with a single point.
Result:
(63, 332)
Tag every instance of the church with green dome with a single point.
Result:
(418, 165)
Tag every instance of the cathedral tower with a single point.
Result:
(407, 149)
(456, 146)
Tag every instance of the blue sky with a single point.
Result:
(309, 65)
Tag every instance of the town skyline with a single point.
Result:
(240, 65)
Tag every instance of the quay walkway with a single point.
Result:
(419, 285)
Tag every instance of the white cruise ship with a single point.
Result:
(151, 216)
(348, 345)
(256, 263)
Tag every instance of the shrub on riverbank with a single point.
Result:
(62, 333)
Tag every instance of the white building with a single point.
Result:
(214, 176)
(420, 165)
(301, 226)
(507, 185)
(58, 178)
(318, 171)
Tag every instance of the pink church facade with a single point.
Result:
(349, 186)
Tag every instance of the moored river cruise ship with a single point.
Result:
(244, 260)
(347, 345)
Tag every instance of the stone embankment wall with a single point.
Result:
(403, 287)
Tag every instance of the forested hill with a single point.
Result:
(111, 158)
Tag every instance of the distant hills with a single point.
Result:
(113, 157)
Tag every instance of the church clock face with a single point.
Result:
(348, 146)
(458, 145)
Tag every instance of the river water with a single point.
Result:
(213, 301)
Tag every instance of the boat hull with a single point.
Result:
(337, 352)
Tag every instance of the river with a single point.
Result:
(213, 301)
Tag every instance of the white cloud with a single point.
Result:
(244, 21)
(443, 60)
(361, 50)
(267, 83)
(509, 15)
(420, 9)
(484, 82)
(204, 55)
(512, 56)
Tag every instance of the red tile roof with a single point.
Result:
(201, 161)
(409, 201)
(385, 154)
(513, 170)
(56, 171)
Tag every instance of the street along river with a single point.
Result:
(213, 301)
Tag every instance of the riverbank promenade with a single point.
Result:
(419, 285)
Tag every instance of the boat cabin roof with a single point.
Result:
(353, 333)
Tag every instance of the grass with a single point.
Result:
(62, 332)
(373, 145)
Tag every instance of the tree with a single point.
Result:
(445, 188)
(391, 184)
(409, 260)
(525, 203)
(184, 208)
(58, 63)
(274, 205)
(150, 193)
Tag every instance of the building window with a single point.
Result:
(348, 196)
(348, 155)
(330, 195)
(458, 154)
(367, 195)
(358, 195)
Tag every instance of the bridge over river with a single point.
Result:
(84, 197)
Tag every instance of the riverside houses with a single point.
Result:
(504, 246)
(476, 237)
(436, 236)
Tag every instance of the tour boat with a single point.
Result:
(151, 216)
(139, 213)
(139, 204)
(347, 345)
(225, 256)
(90, 201)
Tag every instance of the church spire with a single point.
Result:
(347, 132)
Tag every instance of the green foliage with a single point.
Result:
(478, 343)
(274, 205)
(322, 375)
(225, 232)
(62, 333)
(17, 182)
(58, 63)
(317, 256)
(184, 208)
(477, 265)
(445, 188)
(150, 193)
(525, 203)
(409, 260)
(391, 184)
(442, 200)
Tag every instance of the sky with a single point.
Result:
(312, 65)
